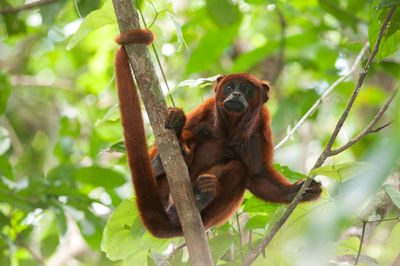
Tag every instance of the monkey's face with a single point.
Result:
(237, 94)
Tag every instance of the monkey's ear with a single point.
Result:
(218, 80)
(266, 87)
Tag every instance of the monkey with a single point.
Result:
(226, 143)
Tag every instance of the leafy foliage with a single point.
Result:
(63, 167)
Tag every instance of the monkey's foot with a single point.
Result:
(311, 193)
(205, 190)
(175, 120)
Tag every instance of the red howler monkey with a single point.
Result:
(226, 143)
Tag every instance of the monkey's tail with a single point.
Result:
(148, 199)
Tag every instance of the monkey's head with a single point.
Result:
(238, 92)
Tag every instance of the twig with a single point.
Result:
(170, 255)
(361, 242)
(275, 228)
(383, 220)
(324, 96)
(363, 233)
(369, 129)
(10, 10)
(240, 236)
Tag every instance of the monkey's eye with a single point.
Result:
(229, 87)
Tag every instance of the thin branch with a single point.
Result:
(324, 96)
(369, 129)
(10, 10)
(275, 228)
(170, 255)
(361, 242)
(363, 233)
(383, 220)
(240, 236)
(381, 127)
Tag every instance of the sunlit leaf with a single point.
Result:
(342, 171)
(95, 20)
(111, 115)
(288, 173)
(257, 222)
(254, 204)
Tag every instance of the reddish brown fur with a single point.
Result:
(235, 149)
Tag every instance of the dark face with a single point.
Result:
(237, 95)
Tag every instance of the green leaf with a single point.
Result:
(5, 91)
(85, 7)
(393, 244)
(342, 171)
(257, 222)
(391, 38)
(393, 194)
(50, 11)
(288, 173)
(223, 12)
(220, 245)
(211, 46)
(95, 20)
(111, 115)
(124, 235)
(118, 146)
(100, 176)
(254, 204)
(348, 246)
(388, 3)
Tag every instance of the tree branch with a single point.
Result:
(323, 97)
(10, 10)
(369, 129)
(275, 228)
(167, 143)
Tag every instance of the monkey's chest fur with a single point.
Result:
(214, 150)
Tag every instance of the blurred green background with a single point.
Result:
(65, 192)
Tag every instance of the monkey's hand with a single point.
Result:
(205, 190)
(175, 120)
(311, 193)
